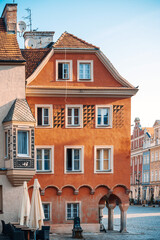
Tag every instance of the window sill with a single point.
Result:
(23, 156)
(73, 126)
(74, 172)
(44, 126)
(104, 171)
(63, 80)
(103, 126)
(44, 171)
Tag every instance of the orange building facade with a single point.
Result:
(82, 108)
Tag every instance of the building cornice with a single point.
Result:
(79, 92)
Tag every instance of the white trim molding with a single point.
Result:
(81, 171)
(80, 107)
(91, 70)
(51, 147)
(110, 147)
(46, 91)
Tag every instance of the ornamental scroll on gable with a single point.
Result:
(88, 116)
(58, 116)
(118, 116)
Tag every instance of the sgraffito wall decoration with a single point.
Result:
(88, 116)
(118, 116)
(58, 116)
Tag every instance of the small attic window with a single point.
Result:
(63, 70)
(85, 70)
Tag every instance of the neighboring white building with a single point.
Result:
(12, 88)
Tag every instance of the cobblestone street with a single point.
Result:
(142, 223)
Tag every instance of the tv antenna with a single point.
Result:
(29, 17)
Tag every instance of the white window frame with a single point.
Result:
(156, 175)
(91, 70)
(51, 147)
(50, 108)
(28, 142)
(156, 156)
(152, 175)
(50, 210)
(146, 176)
(72, 202)
(81, 171)
(5, 144)
(152, 156)
(110, 116)
(111, 159)
(70, 70)
(80, 125)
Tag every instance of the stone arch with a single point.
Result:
(88, 186)
(70, 186)
(121, 186)
(102, 185)
(52, 186)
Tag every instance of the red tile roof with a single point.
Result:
(68, 40)
(9, 48)
(33, 58)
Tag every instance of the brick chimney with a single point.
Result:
(10, 17)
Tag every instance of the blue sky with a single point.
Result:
(127, 31)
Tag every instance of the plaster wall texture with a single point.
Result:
(12, 85)
(12, 198)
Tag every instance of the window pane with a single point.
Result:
(76, 111)
(47, 165)
(65, 71)
(39, 153)
(59, 70)
(98, 154)
(39, 116)
(106, 153)
(76, 120)
(22, 142)
(69, 111)
(46, 208)
(46, 112)
(69, 120)
(39, 164)
(45, 116)
(76, 153)
(98, 165)
(105, 165)
(84, 71)
(76, 165)
(69, 159)
(46, 153)
(6, 144)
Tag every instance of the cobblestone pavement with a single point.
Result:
(142, 223)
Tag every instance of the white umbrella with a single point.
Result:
(36, 215)
(25, 206)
